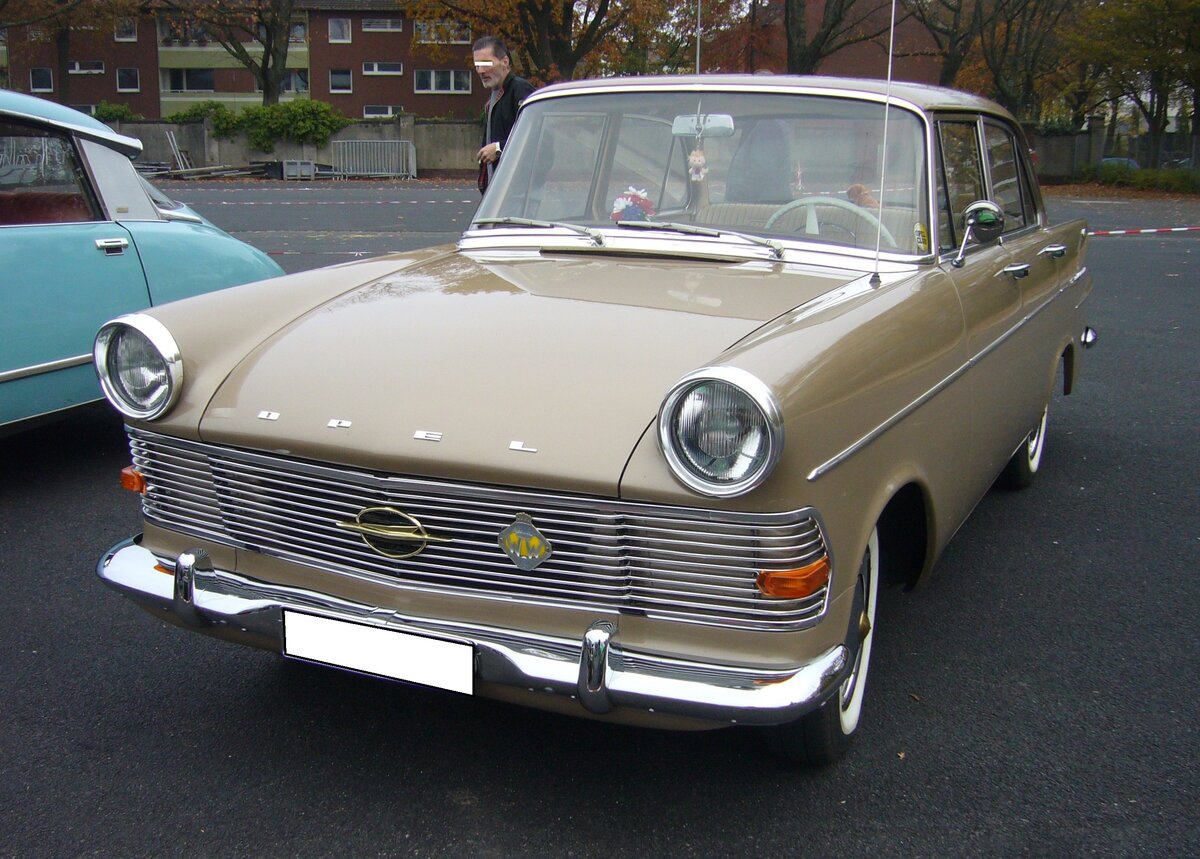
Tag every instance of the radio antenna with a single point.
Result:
(887, 103)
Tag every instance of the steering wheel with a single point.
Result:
(838, 203)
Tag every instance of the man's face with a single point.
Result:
(492, 71)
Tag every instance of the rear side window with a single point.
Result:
(41, 178)
(1010, 191)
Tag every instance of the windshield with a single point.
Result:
(778, 165)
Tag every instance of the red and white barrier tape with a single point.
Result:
(1148, 232)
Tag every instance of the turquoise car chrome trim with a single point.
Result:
(49, 367)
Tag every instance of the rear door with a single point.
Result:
(64, 271)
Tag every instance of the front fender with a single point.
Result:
(182, 259)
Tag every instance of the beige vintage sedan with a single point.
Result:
(716, 357)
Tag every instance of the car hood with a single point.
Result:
(531, 370)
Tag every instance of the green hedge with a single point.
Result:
(301, 121)
(106, 112)
(1173, 180)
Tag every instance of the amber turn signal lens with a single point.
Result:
(794, 584)
(133, 480)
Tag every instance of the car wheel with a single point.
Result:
(822, 736)
(1024, 464)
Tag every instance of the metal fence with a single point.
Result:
(377, 158)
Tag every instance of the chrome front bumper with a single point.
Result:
(595, 671)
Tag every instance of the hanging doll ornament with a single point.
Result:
(632, 205)
(697, 165)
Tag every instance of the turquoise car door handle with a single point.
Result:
(112, 247)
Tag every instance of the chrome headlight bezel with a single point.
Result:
(758, 395)
(161, 341)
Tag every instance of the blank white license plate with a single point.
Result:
(385, 652)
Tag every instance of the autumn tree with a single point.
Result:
(954, 26)
(263, 25)
(1148, 48)
(1021, 47)
(549, 38)
(817, 28)
(23, 13)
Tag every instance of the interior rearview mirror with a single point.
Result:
(703, 125)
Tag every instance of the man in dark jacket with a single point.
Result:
(507, 91)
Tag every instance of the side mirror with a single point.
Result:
(983, 221)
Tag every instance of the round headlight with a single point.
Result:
(721, 431)
(139, 365)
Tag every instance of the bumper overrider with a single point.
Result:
(596, 670)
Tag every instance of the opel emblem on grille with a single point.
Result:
(391, 533)
(524, 544)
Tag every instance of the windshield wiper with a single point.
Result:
(595, 235)
(692, 230)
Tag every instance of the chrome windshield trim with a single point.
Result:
(727, 246)
(48, 367)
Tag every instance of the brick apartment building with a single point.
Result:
(367, 58)
(364, 57)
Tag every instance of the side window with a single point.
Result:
(642, 144)
(962, 182)
(567, 147)
(1009, 191)
(41, 179)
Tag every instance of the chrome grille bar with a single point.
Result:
(683, 564)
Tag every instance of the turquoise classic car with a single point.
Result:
(83, 238)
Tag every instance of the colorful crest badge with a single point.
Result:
(524, 544)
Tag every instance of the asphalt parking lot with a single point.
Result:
(1039, 697)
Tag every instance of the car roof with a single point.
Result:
(923, 96)
(20, 106)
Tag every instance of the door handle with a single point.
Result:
(1056, 251)
(1017, 270)
(112, 247)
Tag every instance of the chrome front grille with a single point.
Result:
(684, 564)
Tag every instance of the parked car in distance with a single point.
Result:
(83, 237)
(1123, 163)
(716, 357)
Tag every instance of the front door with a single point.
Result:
(64, 271)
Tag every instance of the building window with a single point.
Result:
(378, 68)
(341, 80)
(41, 80)
(382, 111)
(85, 67)
(339, 30)
(294, 80)
(298, 32)
(442, 32)
(383, 25)
(189, 80)
(125, 30)
(442, 80)
(3, 35)
(129, 80)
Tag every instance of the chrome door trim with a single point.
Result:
(48, 367)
